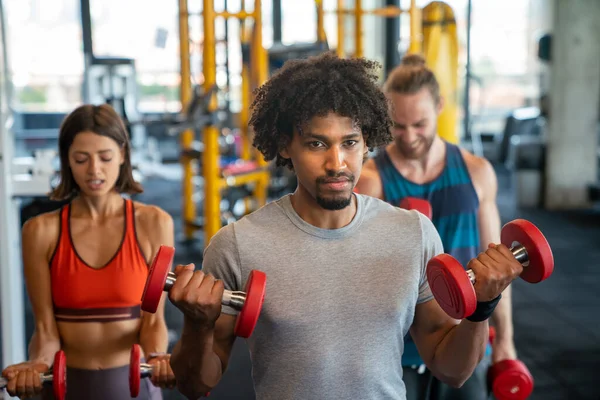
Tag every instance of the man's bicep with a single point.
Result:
(431, 246)
(221, 260)
(429, 317)
(429, 327)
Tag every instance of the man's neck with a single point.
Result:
(310, 211)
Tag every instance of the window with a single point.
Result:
(44, 54)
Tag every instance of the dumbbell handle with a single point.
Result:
(45, 377)
(518, 251)
(145, 370)
(235, 299)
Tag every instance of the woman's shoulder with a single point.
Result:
(151, 215)
(41, 221)
(42, 229)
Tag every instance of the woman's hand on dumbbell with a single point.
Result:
(25, 379)
(494, 270)
(503, 349)
(162, 374)
(197, 295)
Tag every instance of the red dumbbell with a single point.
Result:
(248, 303)
(138, 371)
(453, 288)
(510, 380)
(421, 205)
(57, 376)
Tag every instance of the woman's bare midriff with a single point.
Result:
(96, 345)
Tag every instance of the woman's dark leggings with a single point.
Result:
(103, 384)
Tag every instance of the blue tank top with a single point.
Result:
(454, 204)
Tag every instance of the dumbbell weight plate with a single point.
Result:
(157, 277)
(510, 380)
(255, 294)
(59, 375)
(451, 286)
(541, 260)
(421, 205)
(134, 370)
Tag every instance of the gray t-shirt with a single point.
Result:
(338, 302)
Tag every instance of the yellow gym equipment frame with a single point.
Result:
(214, 182)
(389, 12)
(433, 34)
(440, 48)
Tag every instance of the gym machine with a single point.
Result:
(23, 177)
(12, 308)
(252, 168)
(388, 12)
(113, 81)
(280, 53)
(20, 178)
(432, 33)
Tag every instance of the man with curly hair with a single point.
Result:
(345, 272)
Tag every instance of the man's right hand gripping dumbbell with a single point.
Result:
(200, 296)
(197, 295)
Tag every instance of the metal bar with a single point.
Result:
(321, 36)
(416, 32)
(341, 10)
(389, 11)
(277, 18)
(245, 153)
(86, 28)
(210, 167)
(243, 179)
(187, 137)
(12, 308)
(258, 49)
(88, 52)
(340, 29)
(244, 115)
(358, 45)
(262, 67)
(466, 104)
(392, 37)
(240, 15)
(227, 72)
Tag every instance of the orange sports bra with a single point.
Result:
(113, 292)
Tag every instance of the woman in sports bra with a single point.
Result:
(86, 266)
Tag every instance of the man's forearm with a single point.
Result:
(197, 368)
(502, 316)
(460, 351)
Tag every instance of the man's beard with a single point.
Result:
(420, 151)
(339, 201)
(334, 203)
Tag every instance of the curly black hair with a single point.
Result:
(306, 88)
